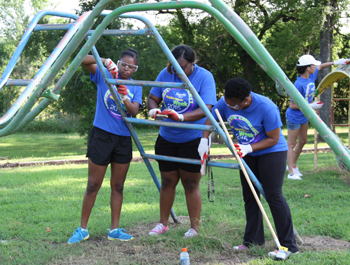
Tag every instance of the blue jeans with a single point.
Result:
(293, 126)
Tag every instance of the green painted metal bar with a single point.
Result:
(21, 119)
(88, 19)
(270, 65)
(152, 6)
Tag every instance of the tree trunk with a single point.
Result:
(326, 46)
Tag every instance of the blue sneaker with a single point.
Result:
(118, 234)
(80, 234)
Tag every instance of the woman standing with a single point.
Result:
(179, 106)
(255, 121)
(297, 123)
(109, 140)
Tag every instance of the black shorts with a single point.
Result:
(105, 147)
(185, 150)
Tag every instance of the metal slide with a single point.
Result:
(233, 24)
(343, 71)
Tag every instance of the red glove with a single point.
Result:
(172, 114)
(122, 90)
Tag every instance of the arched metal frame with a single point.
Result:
(228, 18)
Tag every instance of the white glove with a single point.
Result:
(203, 150)
(123, 97)
(243, 149)
(342, 61)
(153, 113)
(316, 104)
(111, 66)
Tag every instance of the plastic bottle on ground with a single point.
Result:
(184, 257)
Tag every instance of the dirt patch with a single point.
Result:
(319, 243)
(137, 251)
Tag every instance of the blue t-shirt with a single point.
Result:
(306, 87)
(107, 115)
(182, 101)
(250, 125)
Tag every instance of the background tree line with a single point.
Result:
(287, 29)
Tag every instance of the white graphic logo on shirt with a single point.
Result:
(179, 100)
(180, 95)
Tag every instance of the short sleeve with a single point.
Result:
(271, 119)
(137, 95)
(220, 106)
(98, 77)
(208, 89)
(314, 75)
(157, 91)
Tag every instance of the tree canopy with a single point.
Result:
(287, 29)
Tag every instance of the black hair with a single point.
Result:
(130, 52)
(237, 88)
(182, 51)
(302, 69)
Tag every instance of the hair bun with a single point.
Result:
(132, 50)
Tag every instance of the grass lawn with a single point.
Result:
(33, 199)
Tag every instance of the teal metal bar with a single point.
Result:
(172, 124)
(146, 83)
(191, 161)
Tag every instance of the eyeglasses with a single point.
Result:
(236, 107)
(130, 66)
(313, 66)
(183, 68)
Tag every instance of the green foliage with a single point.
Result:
(15, 15)
(7, 94)
(56, 124)
(283, 27)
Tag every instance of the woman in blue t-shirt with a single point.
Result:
(179, 106)
(109, 140)
(297, 123)
(255, 121)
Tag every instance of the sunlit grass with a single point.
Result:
(22, 147)
(34, 198)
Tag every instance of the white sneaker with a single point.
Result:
(190, 233)
(159, 229)
(296, 171)
(294, 176)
